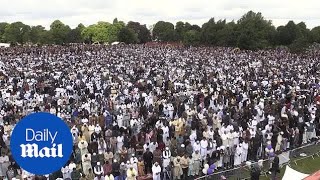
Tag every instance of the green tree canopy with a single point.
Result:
(128, 36)
(59, 32)
(141, 30)
(164, 31)
(254, 31)
(315, 33)
(17, 32)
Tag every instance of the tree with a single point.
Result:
(128, 36)
(37, 33)
(113, 31)
(3, 26)
(254, 31)
(315, 34)
(74, 35)
(96, 32)
(164, 31)
(287, 34)
(141, 30)
(191, 37)
(180, 30)
(88, 33)
(59, 32)
(210, 32)
(17, 32)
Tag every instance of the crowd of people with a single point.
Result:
(160, 112)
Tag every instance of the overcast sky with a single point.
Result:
(73, 12)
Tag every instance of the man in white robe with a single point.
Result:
(193, 137)
(203, 150)
(196, 146)
(237, 155)
(134, 162)
(244, 154)
(165, 130)
(119, 142)
(156, 170)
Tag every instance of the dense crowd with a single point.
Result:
(161, 112)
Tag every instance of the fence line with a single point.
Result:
(263, 162)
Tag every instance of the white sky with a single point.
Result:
(73, 12)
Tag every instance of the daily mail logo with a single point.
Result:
(32, 150)
(42, 143)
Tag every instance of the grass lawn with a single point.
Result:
(307, 166)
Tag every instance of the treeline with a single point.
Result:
(251, 31)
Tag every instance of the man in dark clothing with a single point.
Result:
(75, 174)
(115, 168)
(275, 168)
(148, 158)
(255, 172)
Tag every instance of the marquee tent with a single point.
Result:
(291, 174)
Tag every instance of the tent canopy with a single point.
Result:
(4, 45)
(291, 174)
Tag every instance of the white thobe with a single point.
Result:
(245, 147)
(156, 170)
(237, 156)
(119, 142)
(196, 147)
(204, 146)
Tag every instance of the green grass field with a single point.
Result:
(307, 166)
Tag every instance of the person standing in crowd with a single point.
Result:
(148, 158)
(275, 169)
(156, 170)
(132, 174)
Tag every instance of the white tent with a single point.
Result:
(291, 174)
(4, 45)
(115, 43)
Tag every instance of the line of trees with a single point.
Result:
(252, 31)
